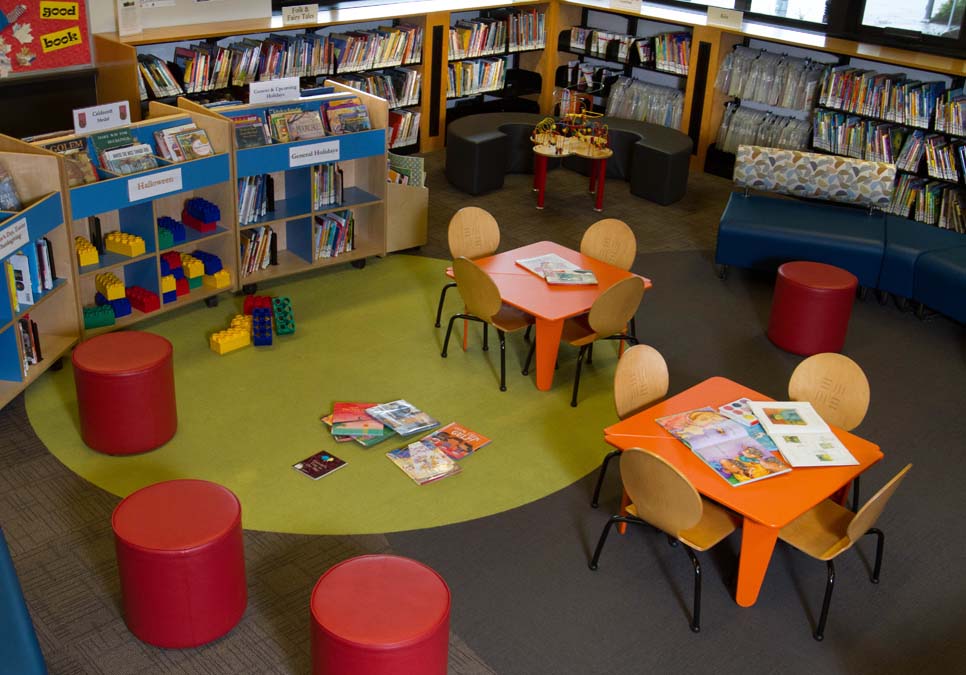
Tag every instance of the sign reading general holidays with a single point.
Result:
(101, 117)
(274, 91)
(313, 153)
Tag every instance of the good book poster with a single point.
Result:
(38, 36)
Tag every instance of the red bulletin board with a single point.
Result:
(38, 36)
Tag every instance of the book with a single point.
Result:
(305, 125)
(571, 277)
(738, 454)
(22, 281)
(167, 145)
(129, 159)
(80, 168)
(739, 411)
(318, 465)
(250, 135)
(111, 140)
(350, 419)
(542, 264)
(9, 198)
(423, 462)
(402, 417)
(456, 440)
(194, 143)
(801, 434)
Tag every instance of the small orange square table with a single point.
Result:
(766, 505)
(550, 304)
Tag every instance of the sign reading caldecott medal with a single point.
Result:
(314, 153)
(152, 185)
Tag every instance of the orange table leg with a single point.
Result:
(548, 343)
(757, 544)
(625, 502)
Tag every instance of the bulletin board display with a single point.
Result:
(42, 36)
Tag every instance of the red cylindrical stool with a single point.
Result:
(125, 392)
(181, 561)
(811, 307)
(380, 615)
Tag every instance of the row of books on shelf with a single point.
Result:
(888, 96)
(929, 201)
(667, 52)
(951, 112)
(30, 339)
(405, 169)
(399, 86)
(336, 114)
(259, 249)
(327, 181)
(333, 234)
(526, 28)
(471, 38)
(403, 127)
(773, 79)
(860, 137)
(30, 272)
(476, 76)
(256, 197)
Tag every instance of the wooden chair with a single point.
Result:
(828, 530)
(473, 233)
(613, 242)
(606, 320)
(640, 379)
(838, 390)
(663, 497)
(483, 304)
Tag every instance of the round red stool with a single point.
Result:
(811, 307)
(181, 561)
(125, 392)
(380, 615)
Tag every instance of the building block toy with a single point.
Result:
(253, 302)
(142, 299)
(97, 317)
(211, 262)
(242, 321)
(165, 240)
(193, 268)
(123, 243)
(86, 252)
(169, 296)
(195, 282)
(181, 287)
(173, 258)
(109, 286)
(200, 214)
(262, 327)
(284, 319)
(168, 283)
(220, 279)
(121, 306)
(173, 227)
(229, 340)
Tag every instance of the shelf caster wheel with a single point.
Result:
(721, 271)
(58, 364)
(249, 289)
(212, 301)
(359, 264)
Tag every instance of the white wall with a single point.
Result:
(184, 12)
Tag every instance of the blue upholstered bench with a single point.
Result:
(940, 281)
(18, 641)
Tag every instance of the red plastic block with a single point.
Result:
(196, 224)
(181, 287)
(142, 299)
(256, 302)
(173, 258)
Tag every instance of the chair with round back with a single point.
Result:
(483, 304)
(610, 241)
(473, 233)
(838, 389)
(640, 378)
(828, 530)
(663, 497)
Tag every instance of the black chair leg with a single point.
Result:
(634, 327)
(502, 337)
(855, 494)
(590, 353)
(819, 633)
(526, 333)
(449, 329)
(442, 297)
(486, 332)
(600, 476)
(879, 544)
(696, 612)
(603, 535)
(526, 366)
(580, 360)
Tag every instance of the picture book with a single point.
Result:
(456, 440)
(739, 454)
(350, 419)
(129, 159)
(251, 134)
(327, 421)
(80, 168)
(739, 411)
(111, 140)
(373, 438)
(305, 125)
(167, 145)
(402, 417)
(542, 264)
(318, 465)
(571, 277)
(277, 120)
(194, 143)
(9, 199)
(801, 434)
(423, 462)
(23, 282)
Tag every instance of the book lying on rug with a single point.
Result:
(402, 417)
(542, 264)
(423, 462)
(571, 277)
(739, 454)
(318, 465)
(456, 440)
(371, 437)
(801, 434)
(350, 419)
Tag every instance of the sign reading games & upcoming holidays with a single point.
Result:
(37, 36)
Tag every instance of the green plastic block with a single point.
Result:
(96, 317)
(194, 283)
(284, 319)
(165, 238)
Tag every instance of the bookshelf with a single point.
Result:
(296, 214)
(53, 310)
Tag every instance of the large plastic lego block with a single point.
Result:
(193, 268)
(109, 286)
(165, 240)
(181, 287)
(169, 296)
(253, 302)
(261, 327)
(168, 283)
(229, 340)
(284, 318)
(123, 243)
(173, 258)
(211, 262)
(142, 299)
(172, 226)
(86, 252)
(97, 317)
(220, 279)
(195, 282)
(121, 307)
(242, 321)
(200, 214)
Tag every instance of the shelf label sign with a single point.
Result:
(297, 14)
(152, 185)
(626, 4)
(727, 18)
(101, 117)
(274, 91)
(314, 153)
(14, 237)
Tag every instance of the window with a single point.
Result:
(929, 17)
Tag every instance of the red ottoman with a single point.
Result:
(125, 392)
(380, 615)
(181, 561)
(811, 307)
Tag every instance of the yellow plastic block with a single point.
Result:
(220, 279)
(229, 340)
(109, 286)
(243, 321)
(193, 268)
(168, 283)
(126, 244)
(86, 253)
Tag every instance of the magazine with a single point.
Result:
(739, 412)
(737, 453)
(423, 462)
(456, 440)
(402, 417)
(318, 465)
(801, 434)
(542, 264)
(571, 277)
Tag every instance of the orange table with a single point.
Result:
(766, 506)
(551, 305)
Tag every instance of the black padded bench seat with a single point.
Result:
(482, 149)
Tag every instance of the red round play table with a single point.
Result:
(811, 307)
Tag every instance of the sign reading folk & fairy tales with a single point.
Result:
(38, 36)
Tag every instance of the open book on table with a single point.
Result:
(800, 434)
(550, 262)
(737, 453)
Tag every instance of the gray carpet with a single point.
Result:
(523, 599)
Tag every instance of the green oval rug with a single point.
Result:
(362, 335)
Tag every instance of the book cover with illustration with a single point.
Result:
(402, 417)
(739, 454)
(350, 419)
(571, 277)
(456, 440)
(423, 462)
(542, 264)
(318, 465)
(801, 434)
(80, 168)
(739, 411)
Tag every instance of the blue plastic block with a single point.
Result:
(170, 296)
(261, 327)
(122, 307)
(165, 268)
(99, 299)
(211, 261)
(178, 273)
(203, 210)
(176, 228)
